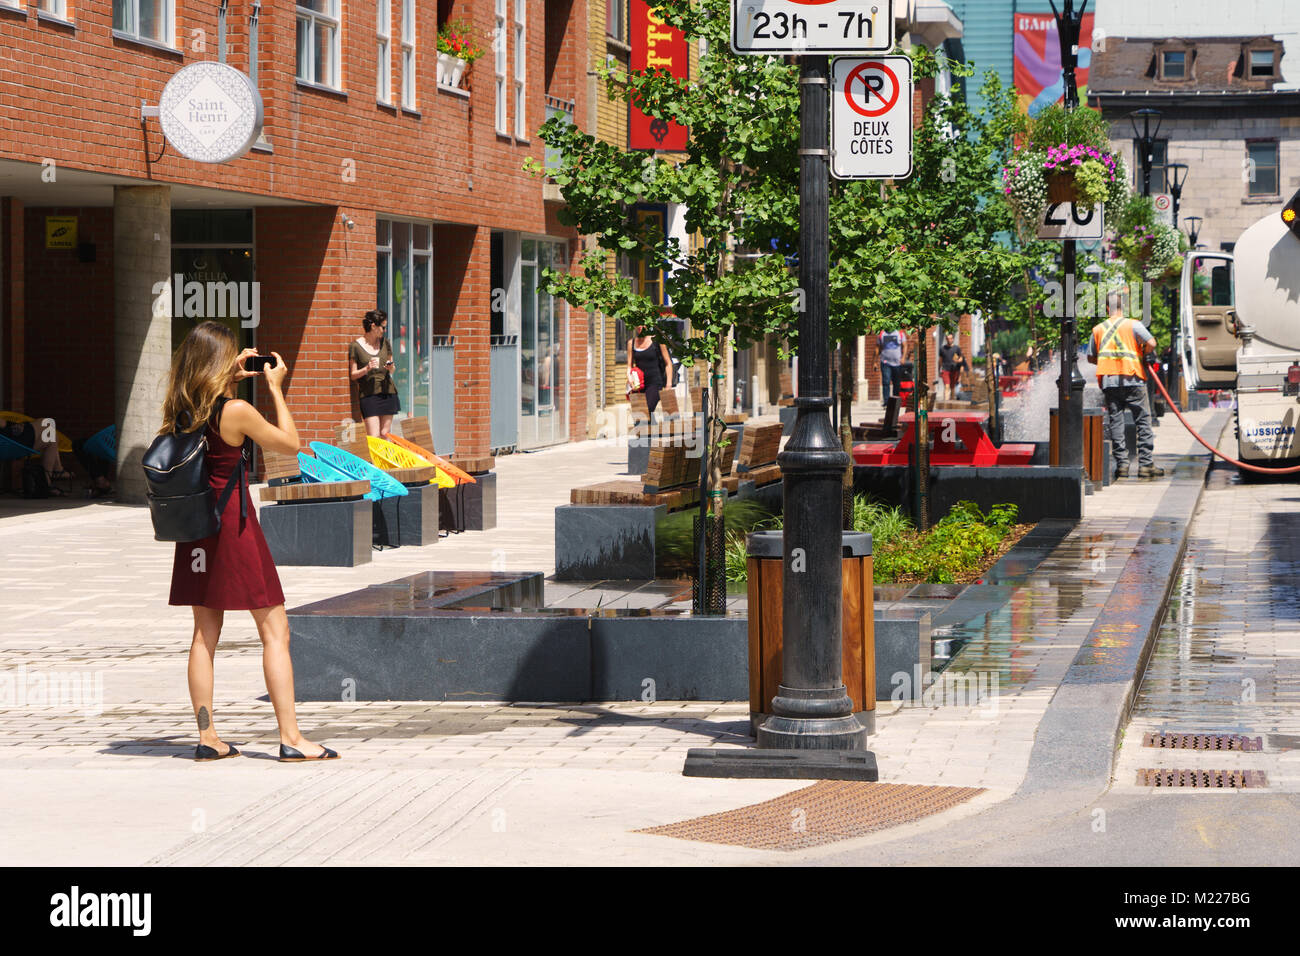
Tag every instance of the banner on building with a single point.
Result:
(1038, 60)
(655, 45)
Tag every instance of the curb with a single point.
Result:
(1077, 740)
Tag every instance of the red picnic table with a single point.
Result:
(957, 437)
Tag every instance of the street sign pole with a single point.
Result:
(812, 709)
(811, 731)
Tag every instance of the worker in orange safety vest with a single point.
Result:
(1117, 349)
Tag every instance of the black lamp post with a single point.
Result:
(1146, 140)
(1178, 172)
(1177, 176)
(1193, 229)
(812, 731)
(1069, 384)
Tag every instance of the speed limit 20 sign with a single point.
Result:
(812, 26)
(1065, 220)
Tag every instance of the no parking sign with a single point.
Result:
(871, 118)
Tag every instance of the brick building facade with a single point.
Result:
(373, 182)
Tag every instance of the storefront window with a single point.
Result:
(404, 286)
(212, 254)
(542, 347)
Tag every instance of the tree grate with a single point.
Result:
(1202, 779)
(1203, 742)
(826, 812)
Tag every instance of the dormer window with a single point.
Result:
(1261, 64)
(1173, 64)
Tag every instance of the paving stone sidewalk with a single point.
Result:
(490, 783)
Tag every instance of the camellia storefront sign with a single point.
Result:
(211, 112)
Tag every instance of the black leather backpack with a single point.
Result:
(181, 501)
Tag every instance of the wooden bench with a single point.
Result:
(322, 524)
(285, 483)
(609, 529)
(671, 478)
(756, 461)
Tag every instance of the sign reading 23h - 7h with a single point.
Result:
(871, 117)
(812, 26)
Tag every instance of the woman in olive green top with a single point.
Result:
(371, 360)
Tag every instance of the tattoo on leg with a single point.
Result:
(204, 721)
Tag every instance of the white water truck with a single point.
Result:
(1240, 316)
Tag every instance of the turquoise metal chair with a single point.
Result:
(11, 450)
(103, 444)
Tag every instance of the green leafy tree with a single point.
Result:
(926, 249)
(736, 184)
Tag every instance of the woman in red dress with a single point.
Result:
(232, 570)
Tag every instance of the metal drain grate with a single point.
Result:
(1203, 742)
(1202, 779)
(826, 812)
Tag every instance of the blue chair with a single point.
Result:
(11, 450)
(103, 444)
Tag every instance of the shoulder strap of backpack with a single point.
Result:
(240, 476)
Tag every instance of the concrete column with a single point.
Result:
(142, 302)
(13, 310)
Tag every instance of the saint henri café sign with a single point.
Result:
(210, 112)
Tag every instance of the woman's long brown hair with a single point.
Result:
(202, 369)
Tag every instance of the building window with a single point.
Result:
(384, 70)
(318, 42)
(1159, 160)
(1261, 64)
(500, 63)
(404, 285)
(146, 19)
(650, 279)
(1173, 65)
(616, 19)
(408, 54)
(56, 8)
(1262, 168)
(521, 69)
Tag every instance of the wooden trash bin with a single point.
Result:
(1094, 441)
(765, 595)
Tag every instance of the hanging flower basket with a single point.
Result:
(1064, 157)
(1061, 187)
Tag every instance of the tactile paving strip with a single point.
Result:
(1203, 742)
(828, 811)
(1202, 779)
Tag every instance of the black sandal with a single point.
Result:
(204, 752)
(292, 755)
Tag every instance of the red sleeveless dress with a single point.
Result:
(235, 571)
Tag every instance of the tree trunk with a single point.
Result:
(847, 351)
(717, 434)
(921, 395)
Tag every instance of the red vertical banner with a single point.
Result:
(655, 45)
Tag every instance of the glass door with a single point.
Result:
(404, 272)
(543, 341)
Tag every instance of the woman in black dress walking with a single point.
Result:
(655, 364)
